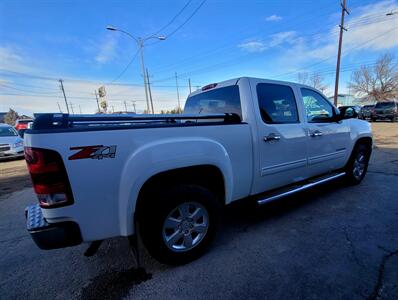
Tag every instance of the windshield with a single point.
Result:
(7, 131)
(385, 105)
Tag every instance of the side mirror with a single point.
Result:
(347, 113)
(350, 113)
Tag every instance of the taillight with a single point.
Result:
(49, 177)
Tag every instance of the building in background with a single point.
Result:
(350, 100)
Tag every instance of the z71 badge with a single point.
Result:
(93, 152)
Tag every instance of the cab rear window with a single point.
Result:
(217, 101)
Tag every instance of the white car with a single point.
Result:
(164, 176)
(11, 144)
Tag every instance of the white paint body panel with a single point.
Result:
(105, 191)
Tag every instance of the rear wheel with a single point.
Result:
(179, 223)
(358, 164)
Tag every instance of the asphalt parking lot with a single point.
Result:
(334, 242)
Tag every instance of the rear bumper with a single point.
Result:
(51, 236)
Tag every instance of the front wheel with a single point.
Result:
(358, 164)
(179, 224)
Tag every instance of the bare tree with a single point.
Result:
(302, 77)
(378, 82)
(314, 79)
(11, 117)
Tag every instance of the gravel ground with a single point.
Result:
(334, 242)
(13, 176)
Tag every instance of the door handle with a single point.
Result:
(272, 137)
(316, 133)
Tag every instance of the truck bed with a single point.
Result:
(46, 123)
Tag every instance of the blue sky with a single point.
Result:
(41, 41)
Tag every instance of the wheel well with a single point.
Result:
(207, 176)
(367, 141)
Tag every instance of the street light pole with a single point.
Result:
(140, 44)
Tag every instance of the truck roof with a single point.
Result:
(236, 80)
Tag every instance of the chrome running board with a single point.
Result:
(296, 189)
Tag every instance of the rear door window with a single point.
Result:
(217, 101)
(277, 103)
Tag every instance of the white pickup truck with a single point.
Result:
(165, 176)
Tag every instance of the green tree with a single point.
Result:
(11, 117)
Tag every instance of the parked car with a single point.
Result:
(386, 110)
(366, 112)
(11, 144)
(166, 176)
(22, 124)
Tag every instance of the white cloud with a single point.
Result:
(12, 60)
(28, 95)
(273, 18)
(369, 29)
(107, 50)
(288, 37)
(253, 46)
(274, 40)
(372, 29)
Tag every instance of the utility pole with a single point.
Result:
(134, 106)
(80, 109)
(71, 107)
(113, 108)
(190, 87)
(178, 94)
(342, 29)
(59, 107)
(63, 91)
(96, 97)
(149, 90)
(125, 105)
(140, 43)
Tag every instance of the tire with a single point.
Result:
(185, 208)
(357, 166)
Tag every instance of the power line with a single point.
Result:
(173, 19)
(187, 20)
(31, 86)
(233, 43)
(23, 90)
(70, 97)
(332, 56)
(125, 68)
(173, 66)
